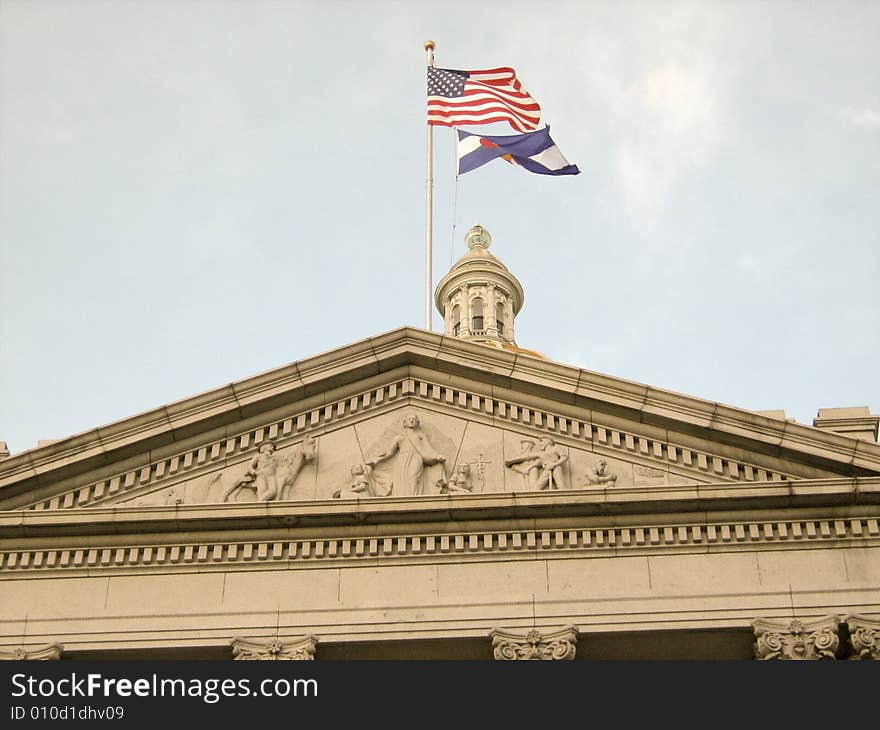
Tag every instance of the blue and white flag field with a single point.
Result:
(533, 151)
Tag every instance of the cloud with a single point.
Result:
(669, 122)
(862, 117)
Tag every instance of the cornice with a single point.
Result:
(616, 502)
(281, 547)
(409, 346)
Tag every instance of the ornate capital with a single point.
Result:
(534, 645)
(47, 652)
(864, 637)
(294, 649)
(796, 640)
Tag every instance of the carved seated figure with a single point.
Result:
(600, 474)
(459, 483)
(358, 486)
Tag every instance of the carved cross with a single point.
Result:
(480, 467)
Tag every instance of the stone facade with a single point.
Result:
(442, 496)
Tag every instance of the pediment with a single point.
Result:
(508, 417)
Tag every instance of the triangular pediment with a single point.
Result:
(508, 416)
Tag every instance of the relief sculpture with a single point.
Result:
(600, 475)
(413, 456)
(270, 477)
(459, 482)
(359, 486)
(526, 463)
(541, 467)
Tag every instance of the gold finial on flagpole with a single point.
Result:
(430, 45)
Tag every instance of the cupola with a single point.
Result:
(479, 298)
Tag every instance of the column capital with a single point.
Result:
(534, 645)
(796, 639)
(46, 652)
(296, 648)
(864, 637)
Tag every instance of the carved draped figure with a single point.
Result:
(412, 453)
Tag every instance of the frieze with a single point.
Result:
(482, 545)
(297, 435)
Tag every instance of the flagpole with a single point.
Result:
(429, 204)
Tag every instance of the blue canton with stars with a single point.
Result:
(443, 82)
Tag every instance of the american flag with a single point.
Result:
(480, 97)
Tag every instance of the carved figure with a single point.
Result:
(459, 482)
(601, 475)
(173, 498)
(413, 453)
(358, 486)
(527, 463)
(269, 475)
(302, 454)
(260, 476)
(552, 458)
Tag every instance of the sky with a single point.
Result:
(193, 192)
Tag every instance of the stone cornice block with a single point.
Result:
(687, 414)
(406, 346)
(470, 359)
(532, 374)
(866, 456)
(534, 645)
(339, 367)
(747, 427)
(601, 390)
(796, 639)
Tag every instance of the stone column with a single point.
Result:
(297, 648)
(534, 645)
(490, 323)
(864, 637)
(47, 652)
(795, 639)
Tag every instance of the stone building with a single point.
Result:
(418, 495)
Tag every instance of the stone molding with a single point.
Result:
(604, 440)
(864, 637)
(796, 640)
(301, 648)
(48, 652)
(484, 544)
(534, 645)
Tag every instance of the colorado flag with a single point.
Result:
(533, 151)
